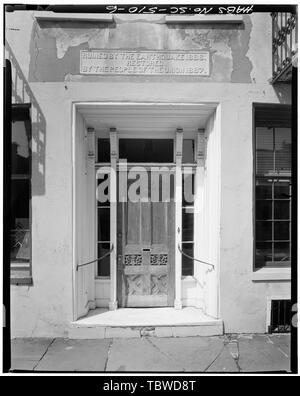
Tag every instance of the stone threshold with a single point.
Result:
(141, 322)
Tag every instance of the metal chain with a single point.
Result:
(193, 258)
(97, 259)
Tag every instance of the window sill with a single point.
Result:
(188, 278)
(25, 281)
(102, 279)
(272, 274)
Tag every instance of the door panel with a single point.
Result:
(160, 223)
(146, 251)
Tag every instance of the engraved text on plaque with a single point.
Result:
(176, 63)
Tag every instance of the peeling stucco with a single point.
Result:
(55, 48)
(239, 46)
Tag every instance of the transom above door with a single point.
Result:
(147, 150)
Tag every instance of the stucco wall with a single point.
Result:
(47, 62)
(239, 53)
(236, 51)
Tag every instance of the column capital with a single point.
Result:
(179, 138)
(113, 143)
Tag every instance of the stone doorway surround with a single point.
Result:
(164, 120)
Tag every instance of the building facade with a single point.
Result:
(100, 98)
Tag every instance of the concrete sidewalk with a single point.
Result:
(229, 353)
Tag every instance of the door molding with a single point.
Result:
(113, 303)
(178, 217)
(93, 111)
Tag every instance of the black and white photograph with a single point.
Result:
(149, 192)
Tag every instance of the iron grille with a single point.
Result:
(280, 316)
(284, 48)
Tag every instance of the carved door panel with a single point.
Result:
(146, 248)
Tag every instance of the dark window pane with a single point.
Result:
(20, 203)
(263, 230)
(20, 243)
(281, 231)
(273, 115)
(188, 189)
(20, 147)
(263, 253)
(20, 228)
(102, 193)
(146, 150)
(282, 190)
(103, 265)
(103, 150)
(263, 190)
(187, 264)
(187, 224)
(282, 210)
(273, 196)
(188, 151)
(282, 251)
(283, 149)
(263, 210)
(103, 224)
(264, 151)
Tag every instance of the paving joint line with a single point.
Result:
(47, 349)
(108, 352)
(158, 349)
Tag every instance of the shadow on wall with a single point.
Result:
(21, 93)
(283, 92)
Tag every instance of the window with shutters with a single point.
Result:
(273, 189)
(20, 213)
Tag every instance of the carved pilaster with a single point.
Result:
(91, 143)
(200, 147)
(113, 304)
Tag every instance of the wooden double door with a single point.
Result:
(146, 249)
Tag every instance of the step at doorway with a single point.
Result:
(138, 322)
